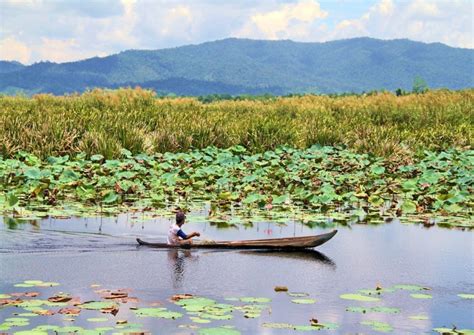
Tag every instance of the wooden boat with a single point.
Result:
(288, 243)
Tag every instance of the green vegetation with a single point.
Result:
(105, 122)
(282, 185)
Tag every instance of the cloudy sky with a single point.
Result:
(67, 30)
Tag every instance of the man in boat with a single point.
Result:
(176, 236)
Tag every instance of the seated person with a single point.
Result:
(176, 235)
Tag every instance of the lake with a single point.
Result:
(434, 264)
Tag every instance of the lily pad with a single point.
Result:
(255, 300)
(218, 331)
(157, 312)
(98, 305)
(378, 326)
(466, 296)
(358, 297)
(303, 301)
(195, 304)
(421, 296)
(199, 320)
(297, 294)
(97, 319)
(410, 287)
(277, 325)
(388, 310)
(418, 317)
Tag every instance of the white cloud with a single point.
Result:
(448, 22)
(59, 51)
(12, 49)
(178, 19)
(288, 21)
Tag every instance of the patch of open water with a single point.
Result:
(79, 252)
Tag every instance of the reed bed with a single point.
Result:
(105, 122)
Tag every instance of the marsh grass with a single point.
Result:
(104, 122)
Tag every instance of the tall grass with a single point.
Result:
(104, 122)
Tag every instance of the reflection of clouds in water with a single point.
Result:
(177, 260)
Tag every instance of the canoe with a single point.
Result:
(288, 243)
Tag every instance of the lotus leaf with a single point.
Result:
(388, 310)
(97, 319)
(157, 312)
(466, 296)
(418, 317)
(410, 287)
(421, 296)
(255, 300)
(218, 331)
(297, 294)
(378, 326)
(195, 304)
(358, 297)
(303, 301)
(199, 320)
(98, 305)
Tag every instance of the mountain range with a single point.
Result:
(241, 66)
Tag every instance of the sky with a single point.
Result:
(69, 30)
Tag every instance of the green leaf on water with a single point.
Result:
(297, 294)
(195, 304)
(33, 282)
(158, 312)
(303, 301)
(110, 198)
(218, 331)
(215, 316)
(466, 296)
(17, 322)
(255, 300)
(421, 296)
(97, 319)
(378, 326)
(377, 169)
(388, 310)
(12, 199)
(97, 158)
(277, 325)
(408, 206)
(358, 297)
(410, 287)
(33, 173)
(418, 317)
(98, 305)
(199, 320)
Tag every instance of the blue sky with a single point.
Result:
(60, 31)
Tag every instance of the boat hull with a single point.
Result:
(290, 243)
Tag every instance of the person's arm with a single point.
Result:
(187, 237)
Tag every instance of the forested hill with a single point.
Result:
(241, 66)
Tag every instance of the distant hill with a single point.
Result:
(242, 66)
(6, 66)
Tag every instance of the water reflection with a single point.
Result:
(307, 255)
(177, 259)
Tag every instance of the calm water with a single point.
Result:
(80, 252)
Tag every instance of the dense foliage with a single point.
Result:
(105, 122)
(318, 178)
(238, 66)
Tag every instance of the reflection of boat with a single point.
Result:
(304, 254)
(287, 243)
